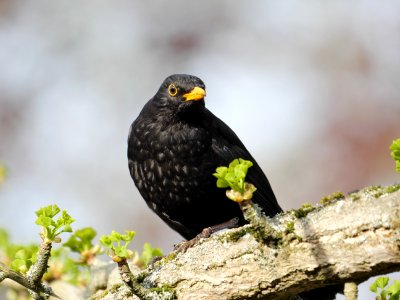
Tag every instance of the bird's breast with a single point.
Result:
(169, 163)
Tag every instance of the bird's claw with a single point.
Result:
(183, 246)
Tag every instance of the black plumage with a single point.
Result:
(174, 147)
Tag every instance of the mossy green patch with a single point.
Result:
(354, 196)
(141, 276)
(289, 233)
(233, 236)
(289, 227)
(303, 211)
(260, 227)
(163, 292)
(166, 259)
(99, 295)
(331, 198)
(375, 191)
(112, 290)
(392, 188)
(115, 287)
(269, 236)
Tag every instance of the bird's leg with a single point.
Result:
(232, 223)
(206, 233)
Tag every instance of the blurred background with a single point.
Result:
(312, 89)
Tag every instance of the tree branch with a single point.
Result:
(345, 241)
(6, 273)
(348, 240)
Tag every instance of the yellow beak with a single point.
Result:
(195, 94)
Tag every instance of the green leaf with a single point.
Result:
(380, 282)
(48, 211)
(230, 177)
(148, 254)
(394, 290)
(44, 221)
(222, 183)
(67, 219)
(3, 173)
(239, 173)
(113, 242)
(86, 234)
(63, 223)
(51, 229)
(395, 147)
(128, 236)
(4, 239)
(220, 172)
(233, 164)
(106, 241)
(233, 177)
(74, 244)
(81, 240)
(24, 257)
(22, 254)
(220, 175)
(19, 265)
(34, 255)
(121, 251)
(116, 236)
(67, 228)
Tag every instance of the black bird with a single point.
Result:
(174, 147)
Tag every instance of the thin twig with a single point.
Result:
(130, 281)
(5, 273)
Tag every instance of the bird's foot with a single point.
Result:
(206, 233)
(154, 260)
(183, 246)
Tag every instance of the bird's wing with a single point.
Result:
(227, 146)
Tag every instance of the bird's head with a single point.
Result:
(182, 91)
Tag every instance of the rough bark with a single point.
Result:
(348, 240)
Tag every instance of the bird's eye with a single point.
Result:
(172, 90)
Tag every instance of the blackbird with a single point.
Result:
(174, 147)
